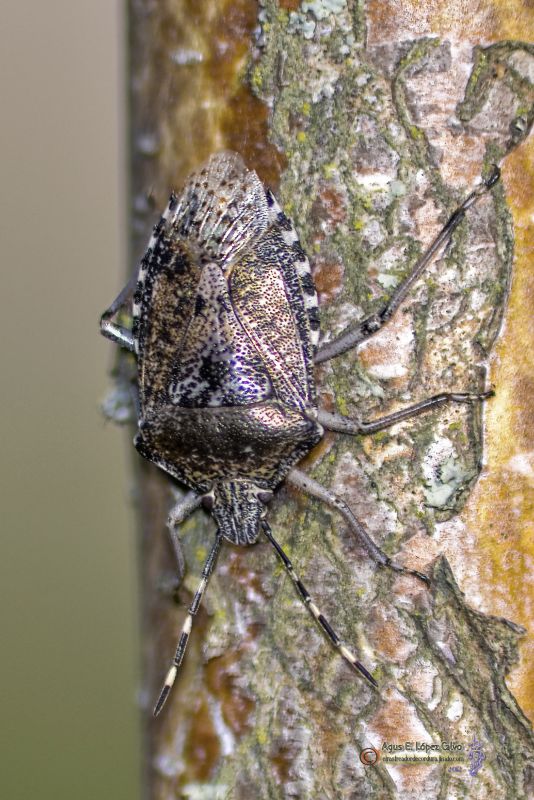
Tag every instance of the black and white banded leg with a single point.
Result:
(341, 424)
(367, 327)
(307, 484)
(315, 612)
(186, 628)
(118, 333)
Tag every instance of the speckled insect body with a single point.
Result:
(225, 320)
(225, 332)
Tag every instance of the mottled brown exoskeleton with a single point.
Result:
(226, 335)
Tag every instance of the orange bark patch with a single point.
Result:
(244, 127)
(386, 637)
(221, 676)
(318, 452)
(281, 759)
(244, 120)
(482, 22)
(202, 749)
(330, 206)
(501, 508)
(208, 102)
(289, 5)
(328, 278)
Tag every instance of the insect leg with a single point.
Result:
(367, 327)
(178, 513)
(323, 622)
(307, 484)
(341, 424)
(118, 333)
(186, 628)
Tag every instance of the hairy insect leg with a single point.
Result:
(186, 628)
(178, 514)
(307, 484)
(367, 327)
(111, 330)
(323, 622)
(341, 424)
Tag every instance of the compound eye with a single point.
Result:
(265, 496)
(208, 501)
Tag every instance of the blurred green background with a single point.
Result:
(69, 609)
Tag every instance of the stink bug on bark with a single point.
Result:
(226, 334)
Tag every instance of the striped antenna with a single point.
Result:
(186, 628)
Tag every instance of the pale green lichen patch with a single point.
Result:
(442, 480)
(300, 24)
(304, 22)
(387, 281)
(397, 188)
(323, 8)
(203, 791)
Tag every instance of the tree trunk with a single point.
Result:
(370, 122)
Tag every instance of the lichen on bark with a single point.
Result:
(373, 139)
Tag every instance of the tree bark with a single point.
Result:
(370, 122)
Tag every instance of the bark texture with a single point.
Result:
(370, 122)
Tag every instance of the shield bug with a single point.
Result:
(226, 334)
